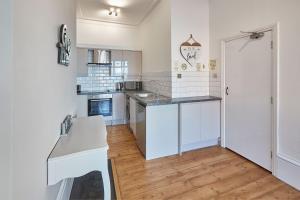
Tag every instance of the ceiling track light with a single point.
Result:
(114, 11)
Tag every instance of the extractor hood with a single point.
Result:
(101, 57)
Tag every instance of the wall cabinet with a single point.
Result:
(118, 108)
(126, 63)
(82, 105)
(134, 59)
(200, 124)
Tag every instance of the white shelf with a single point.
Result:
(80, 152)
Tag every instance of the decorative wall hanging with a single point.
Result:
(64, 46)
(184, 66)
(190, 51)
(213, 64)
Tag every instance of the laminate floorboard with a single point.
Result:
(209, 173)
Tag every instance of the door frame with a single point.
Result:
(274, 28)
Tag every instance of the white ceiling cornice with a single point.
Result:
(133, 13)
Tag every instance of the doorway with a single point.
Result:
(249, 97)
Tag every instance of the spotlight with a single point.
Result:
(114, 11)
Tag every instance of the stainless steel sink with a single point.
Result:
(144, 95)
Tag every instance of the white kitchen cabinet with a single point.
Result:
(117, 60)
(82, 105)
(118, 108)
(161, 131)
(117, 55)
(210, 120)
(82, 60)
(134, 62)
(132, 112)
(199, 124)
(126, 63)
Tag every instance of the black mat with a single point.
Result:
(90, 186)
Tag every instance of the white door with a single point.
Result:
(248, 108)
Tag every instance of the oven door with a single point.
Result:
(100, 107)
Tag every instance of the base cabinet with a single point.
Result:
(118, 109)
(82, 105)
(132, 123)
(161, 131)
(200, 124)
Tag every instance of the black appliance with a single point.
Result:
(133, 85)
(100, 105)
(78, 89)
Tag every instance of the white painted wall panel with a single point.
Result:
(6, 97)
(288, 172)
(44, 91)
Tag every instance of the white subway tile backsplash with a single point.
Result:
(167, 83)
(158, 82)
(98, 79)
(192, 83)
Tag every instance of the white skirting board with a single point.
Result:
(288, 172)
(65, 189)
(199, 145)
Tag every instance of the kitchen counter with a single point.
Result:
(154, 100)
(99, 92)
(163, 100)
(110, 92)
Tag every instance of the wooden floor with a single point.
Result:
(210, 173)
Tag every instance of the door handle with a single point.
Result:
(227, 89)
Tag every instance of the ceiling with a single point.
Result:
(132, 12)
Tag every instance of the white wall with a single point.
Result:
(155, 42)
(6, 81)
(106, 35)
(190, 17)
(228, 18)
(44, 92)
(155, 39)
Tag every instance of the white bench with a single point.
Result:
(80, 152)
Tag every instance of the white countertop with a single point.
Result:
(87, 133)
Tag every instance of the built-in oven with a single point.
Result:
(100, 105)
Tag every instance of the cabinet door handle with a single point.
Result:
(227, 91)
